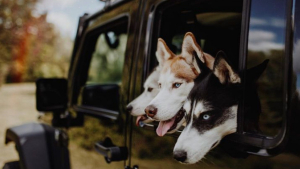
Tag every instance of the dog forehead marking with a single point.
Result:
(181, 69)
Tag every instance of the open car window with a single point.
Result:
(102, 69)
(247, 38)
(216, 26)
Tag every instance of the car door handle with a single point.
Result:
(110, 151)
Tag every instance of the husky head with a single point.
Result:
(211, 111)
(138, 105)
(175, 82)
(151, 88)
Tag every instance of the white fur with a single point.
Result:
(169, 100)
(140, 103)
(197, 145)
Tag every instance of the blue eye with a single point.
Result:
(177, 85)
(206, 117)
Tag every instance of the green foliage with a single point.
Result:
(107, 63)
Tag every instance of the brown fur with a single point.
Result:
(181, 68)
(167, 48)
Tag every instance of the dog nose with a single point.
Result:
(128, 108)
(180, 155)
(151, 111)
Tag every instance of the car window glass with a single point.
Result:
(267, 41)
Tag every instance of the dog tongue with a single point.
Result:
(164, 126)
(140, 118)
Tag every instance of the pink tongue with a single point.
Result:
(164, 126)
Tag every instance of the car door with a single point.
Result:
(99, 80)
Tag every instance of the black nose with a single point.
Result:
(180, 155)
(129, 108)
(151, 111)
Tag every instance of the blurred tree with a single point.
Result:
(29, 44)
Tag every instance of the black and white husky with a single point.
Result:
(211, 109)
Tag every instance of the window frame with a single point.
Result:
(266, 146)
(83, 64)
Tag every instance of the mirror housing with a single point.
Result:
(51, 94)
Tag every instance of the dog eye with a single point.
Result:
(176, 85)
(206, 117)
(159, 85)
(150, 89)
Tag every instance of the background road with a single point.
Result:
(17, 106)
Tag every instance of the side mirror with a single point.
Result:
(51, 94)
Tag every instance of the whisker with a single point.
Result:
(210, 161)
(203, 161)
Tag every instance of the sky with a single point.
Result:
(267, 25)
(64, 14)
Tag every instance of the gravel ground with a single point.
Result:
(17, 106)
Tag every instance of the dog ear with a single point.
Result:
(203, 68)
(190, 46)
(163, 52)
(224, 71)
(254, 73)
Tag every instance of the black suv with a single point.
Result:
(114, 51)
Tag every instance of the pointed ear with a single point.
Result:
(224, 71)
(163, 52)
(190, 46)
(254, 73)
(203, 68)
(209, 60)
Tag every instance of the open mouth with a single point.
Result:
(171, 124)
(141, 119)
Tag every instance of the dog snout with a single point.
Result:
(129, 108)
(151, 111)
(180, 155)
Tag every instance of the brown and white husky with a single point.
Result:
(175, 81)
